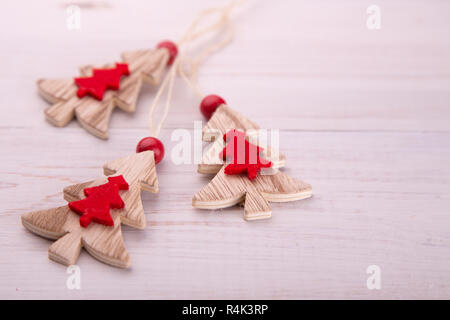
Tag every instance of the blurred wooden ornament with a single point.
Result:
(93, 114)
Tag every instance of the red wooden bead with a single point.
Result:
(209, 104)
(172, 47)
(151, 143)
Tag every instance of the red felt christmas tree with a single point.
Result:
(98, 202)
(101, 80)
(245, 155)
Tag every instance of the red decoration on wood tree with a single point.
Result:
(144, 66)
(133, 173)
(245, 155)
(101, 80)
(99, 199)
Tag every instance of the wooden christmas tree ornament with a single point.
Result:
(223, 120)
(92, 98)
(127, 177)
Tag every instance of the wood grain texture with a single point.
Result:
(228, 190)
(105, 243)
(363, 116)
(94, 115)
(61, 224)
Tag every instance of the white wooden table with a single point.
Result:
(364, 117)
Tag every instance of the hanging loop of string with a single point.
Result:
(192, 34)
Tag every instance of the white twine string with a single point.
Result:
(223, 22)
